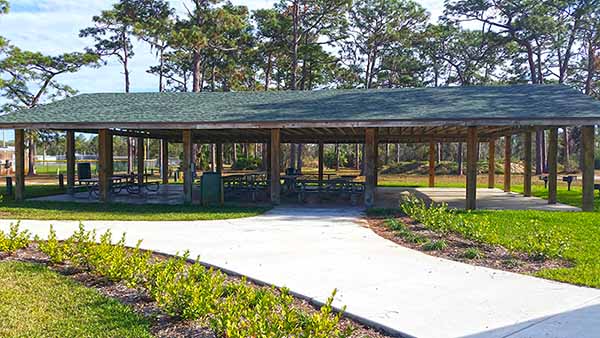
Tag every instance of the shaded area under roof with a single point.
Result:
(477, 105)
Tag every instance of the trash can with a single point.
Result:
(211, 189)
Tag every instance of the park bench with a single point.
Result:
(251, 185)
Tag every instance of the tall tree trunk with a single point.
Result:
(397, 152)
(196, 71)
(31, 156)
(567, 150)
(539, 157)
(357, 156)
(459, 158)
(234, 154)
(299, 157)
(337, 157)
(292, 155)
(387, 154)
(295, 42)
(268, 70)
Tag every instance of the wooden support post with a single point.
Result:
(219, 157)
(105, 168)
(70, 162)
(19, 165)
(471, 202)
(552, 165)
(589, 142)
(492, 164)
(268, 160)
(507, 163)
(527, 144)
(188, 167)
(164, 161)
(320, 159)
(431, 164)
(139, 147)
(370, 164)
(275, 163)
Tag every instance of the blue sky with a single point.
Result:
(52, 27)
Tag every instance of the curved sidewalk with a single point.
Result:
(312, 251)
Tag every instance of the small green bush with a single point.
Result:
(246, 163)
(194, 292)
(13, 240)
(400, 229)
(435, 245)
(473, 253)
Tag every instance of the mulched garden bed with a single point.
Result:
(492, 256)
(161, 325)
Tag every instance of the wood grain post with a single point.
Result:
(105, 168)
(471, 198)
(141, 158)
(164, 161)
(275, 169)
(70, 152)
(188, 167)
(492, 164)
(321, 164)
(370, 166)
(588, 140)
(219, 157)
(528, 152)
(19, 165)
(431, 164)
(552, 164)
(507, 163)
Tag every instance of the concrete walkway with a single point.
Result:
(312, 251)
(489, 199)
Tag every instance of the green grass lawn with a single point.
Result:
(37, 302)
(43, 210)
(121, 212)
(580, 230)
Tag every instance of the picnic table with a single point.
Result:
(338, 186)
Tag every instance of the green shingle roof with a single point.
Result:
(475, 104)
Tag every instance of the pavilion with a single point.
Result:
(428, 115)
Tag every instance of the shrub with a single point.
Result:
(435, 245)
(472, 253)
(56, 251)
(192, 291)
(246, 163)
(400, 229)
(13, 240)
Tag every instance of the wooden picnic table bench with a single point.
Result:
(336, 186)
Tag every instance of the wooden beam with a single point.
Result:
(164, 161)
(275, 163)
(471, 198)
(492, 164)
(219, 157)
(552, 164)
(527, 144)
(370, 164)
(507, 163)
(105, 164)
(188, 167)
(320, 160)
(589, 142)
(141, 159)
(70, 155)
(431, 164)
(19, 165)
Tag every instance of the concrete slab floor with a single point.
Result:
(489, 199)
(314, 250)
